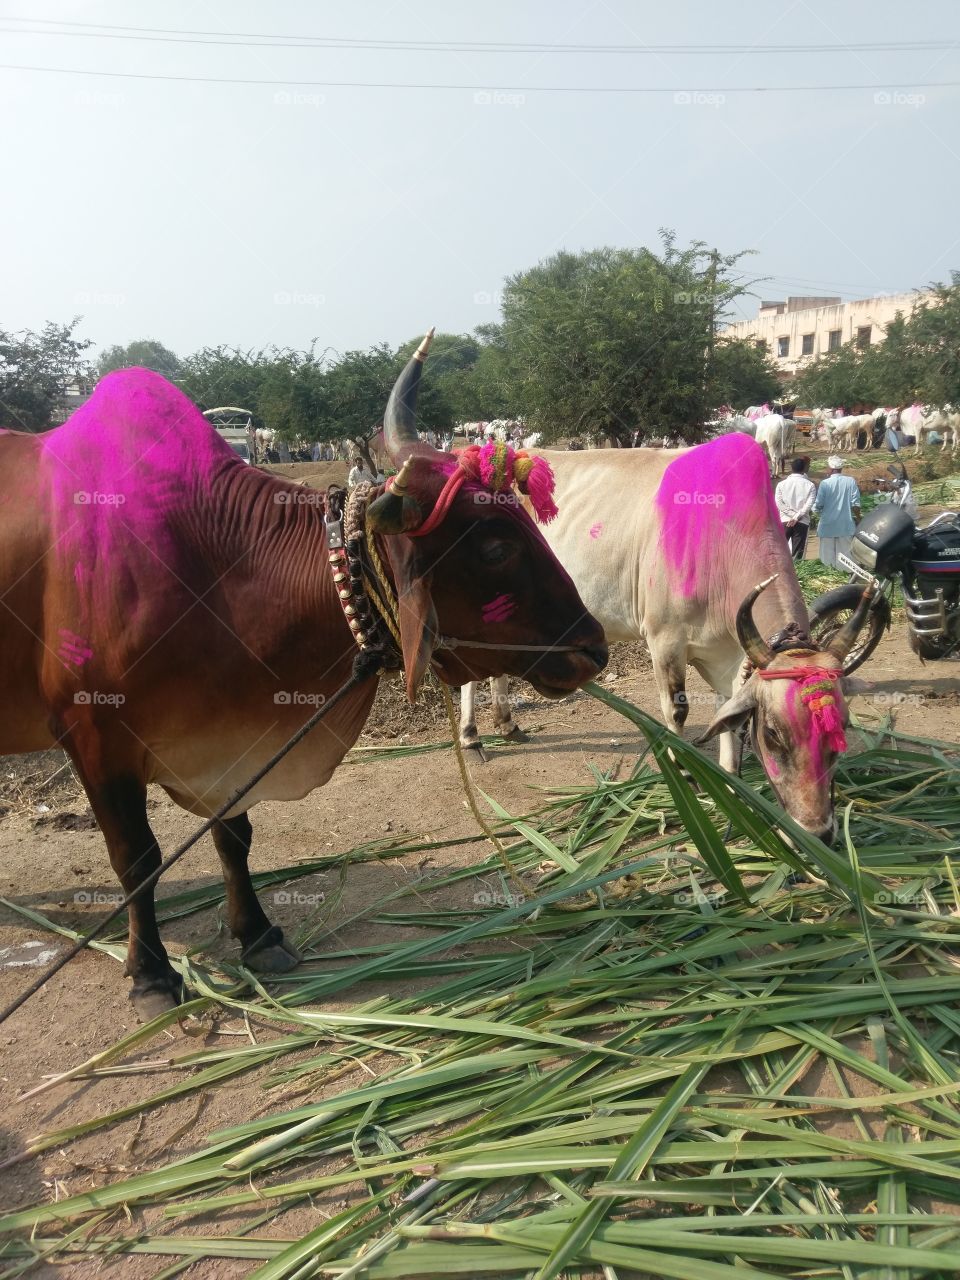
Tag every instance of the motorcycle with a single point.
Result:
(890, 548)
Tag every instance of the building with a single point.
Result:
(798, 330)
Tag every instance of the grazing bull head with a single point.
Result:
(480, 593)
(794, 700)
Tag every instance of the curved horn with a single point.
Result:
(399, 419)
(751, 641)
(839, 646)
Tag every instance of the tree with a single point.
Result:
(488, 389)
(216, 376)
(35, 370)
(740, 373)
(925, 347)
(145, 353)
(453, 357)
(837, 379)
(613, 341)
(358, 386)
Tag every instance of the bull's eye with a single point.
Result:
(771, 739)
(494, 551)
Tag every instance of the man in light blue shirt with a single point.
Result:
(838, 505)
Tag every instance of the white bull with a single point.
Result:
(777, 435)
(665, 546)
(921, 420)
(843, 432)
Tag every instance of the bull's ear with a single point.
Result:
(393, 513)
(732, 714)
(419, 626)
(396, 510)
(853, 684)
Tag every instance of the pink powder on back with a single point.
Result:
(596, 529)
(712, 499)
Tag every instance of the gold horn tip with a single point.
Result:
(399, 483)
(762, 586)
(421, 351)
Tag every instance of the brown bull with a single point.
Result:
(170, 616)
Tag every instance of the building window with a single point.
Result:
(783, 347)
(863, 336)
(833, 340)
(807, 347)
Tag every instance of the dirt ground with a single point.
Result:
(53, 861)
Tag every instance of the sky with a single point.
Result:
(253, 174)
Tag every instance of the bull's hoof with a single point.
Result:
(516, 734)
(476, 750)
(279, 957)
(159, 993)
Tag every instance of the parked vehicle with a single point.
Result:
(924, 562)
(235, 426)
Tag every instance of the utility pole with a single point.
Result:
(712, 277)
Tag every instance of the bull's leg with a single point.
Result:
(670, 673)
(263, 945)
(727, 744)
(120, 807)
(469, 737)
(502, 712)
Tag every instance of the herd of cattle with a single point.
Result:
(776, 432)
(169, 618)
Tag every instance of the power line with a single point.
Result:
(261, 39)
(681, 91)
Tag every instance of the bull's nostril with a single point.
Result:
(599, 654)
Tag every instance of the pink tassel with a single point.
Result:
(832, 726)
(539, 487)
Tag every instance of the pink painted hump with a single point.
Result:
(713, 501)
(136, 418)
(125, 466)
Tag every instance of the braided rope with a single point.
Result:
(389, 607)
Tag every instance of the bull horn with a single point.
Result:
(751, 641)
(400, 418)
(839, 646)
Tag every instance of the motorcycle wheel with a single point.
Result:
(830, 611)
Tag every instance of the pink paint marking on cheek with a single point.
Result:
(499, 609)
(773, 769)
(73, 649)
(596, 530)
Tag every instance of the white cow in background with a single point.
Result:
(777, 435)
(727, 422)
(844, 431)
(920, 420)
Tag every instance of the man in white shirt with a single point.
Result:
(359, 473)
(795, 496)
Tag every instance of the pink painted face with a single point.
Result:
(714, 498)
(799, 748)
(797, 743)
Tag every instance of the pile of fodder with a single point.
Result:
(669, 1033)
